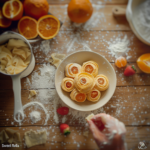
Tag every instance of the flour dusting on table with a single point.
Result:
(35, 116)
(119, 47)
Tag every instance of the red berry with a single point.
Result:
(63, 110)
(129, 71)
(64, 128)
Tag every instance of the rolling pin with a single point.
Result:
(119, 11)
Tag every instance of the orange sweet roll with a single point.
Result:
(84, 82)
(77, 96)
(90, 67)
(101, 82)
(94, 95)
(67, 84)
(72, 69)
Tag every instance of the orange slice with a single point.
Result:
(4, 22)
(94, 94)
(120, 62)
(27, 27)
(101, 81)
(74, 70)
(80, 97)
(13, 9)
(68, 84)
(143, 62)
(89, 69)
(48, 26)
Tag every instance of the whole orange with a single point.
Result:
(80, 11)
(36, 8)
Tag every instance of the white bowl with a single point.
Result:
(131, 14)
(104, 68)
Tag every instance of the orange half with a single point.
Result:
(4, 22)
(27, 27)
(48, 27)
(13, 9)
(143, 63)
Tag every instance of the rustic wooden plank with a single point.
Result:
(106, 2)
(138, 79)
(131, 105)
(69, 41)
(102, 19)
(76, 140)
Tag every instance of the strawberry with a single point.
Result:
(63, 110)
(129, 71)
(64, 128)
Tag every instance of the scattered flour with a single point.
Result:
(35, 116)
(42, 78)
(45, 46)
(39, 104)
(95, 20)
(119, 47)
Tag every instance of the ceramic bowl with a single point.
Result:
(104, 68)
(131, 15)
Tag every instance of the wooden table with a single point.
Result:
(131, 100)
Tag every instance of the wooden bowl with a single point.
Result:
(104, 68)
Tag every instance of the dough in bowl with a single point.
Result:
(14, 56)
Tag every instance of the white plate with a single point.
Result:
(104, 68)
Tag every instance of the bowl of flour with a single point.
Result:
(138, 16)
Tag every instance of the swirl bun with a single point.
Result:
(77, 96)
(72, 69)
(84, 82)
(94, 95)
(67, 84)
(101, 82)
(90, 67)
